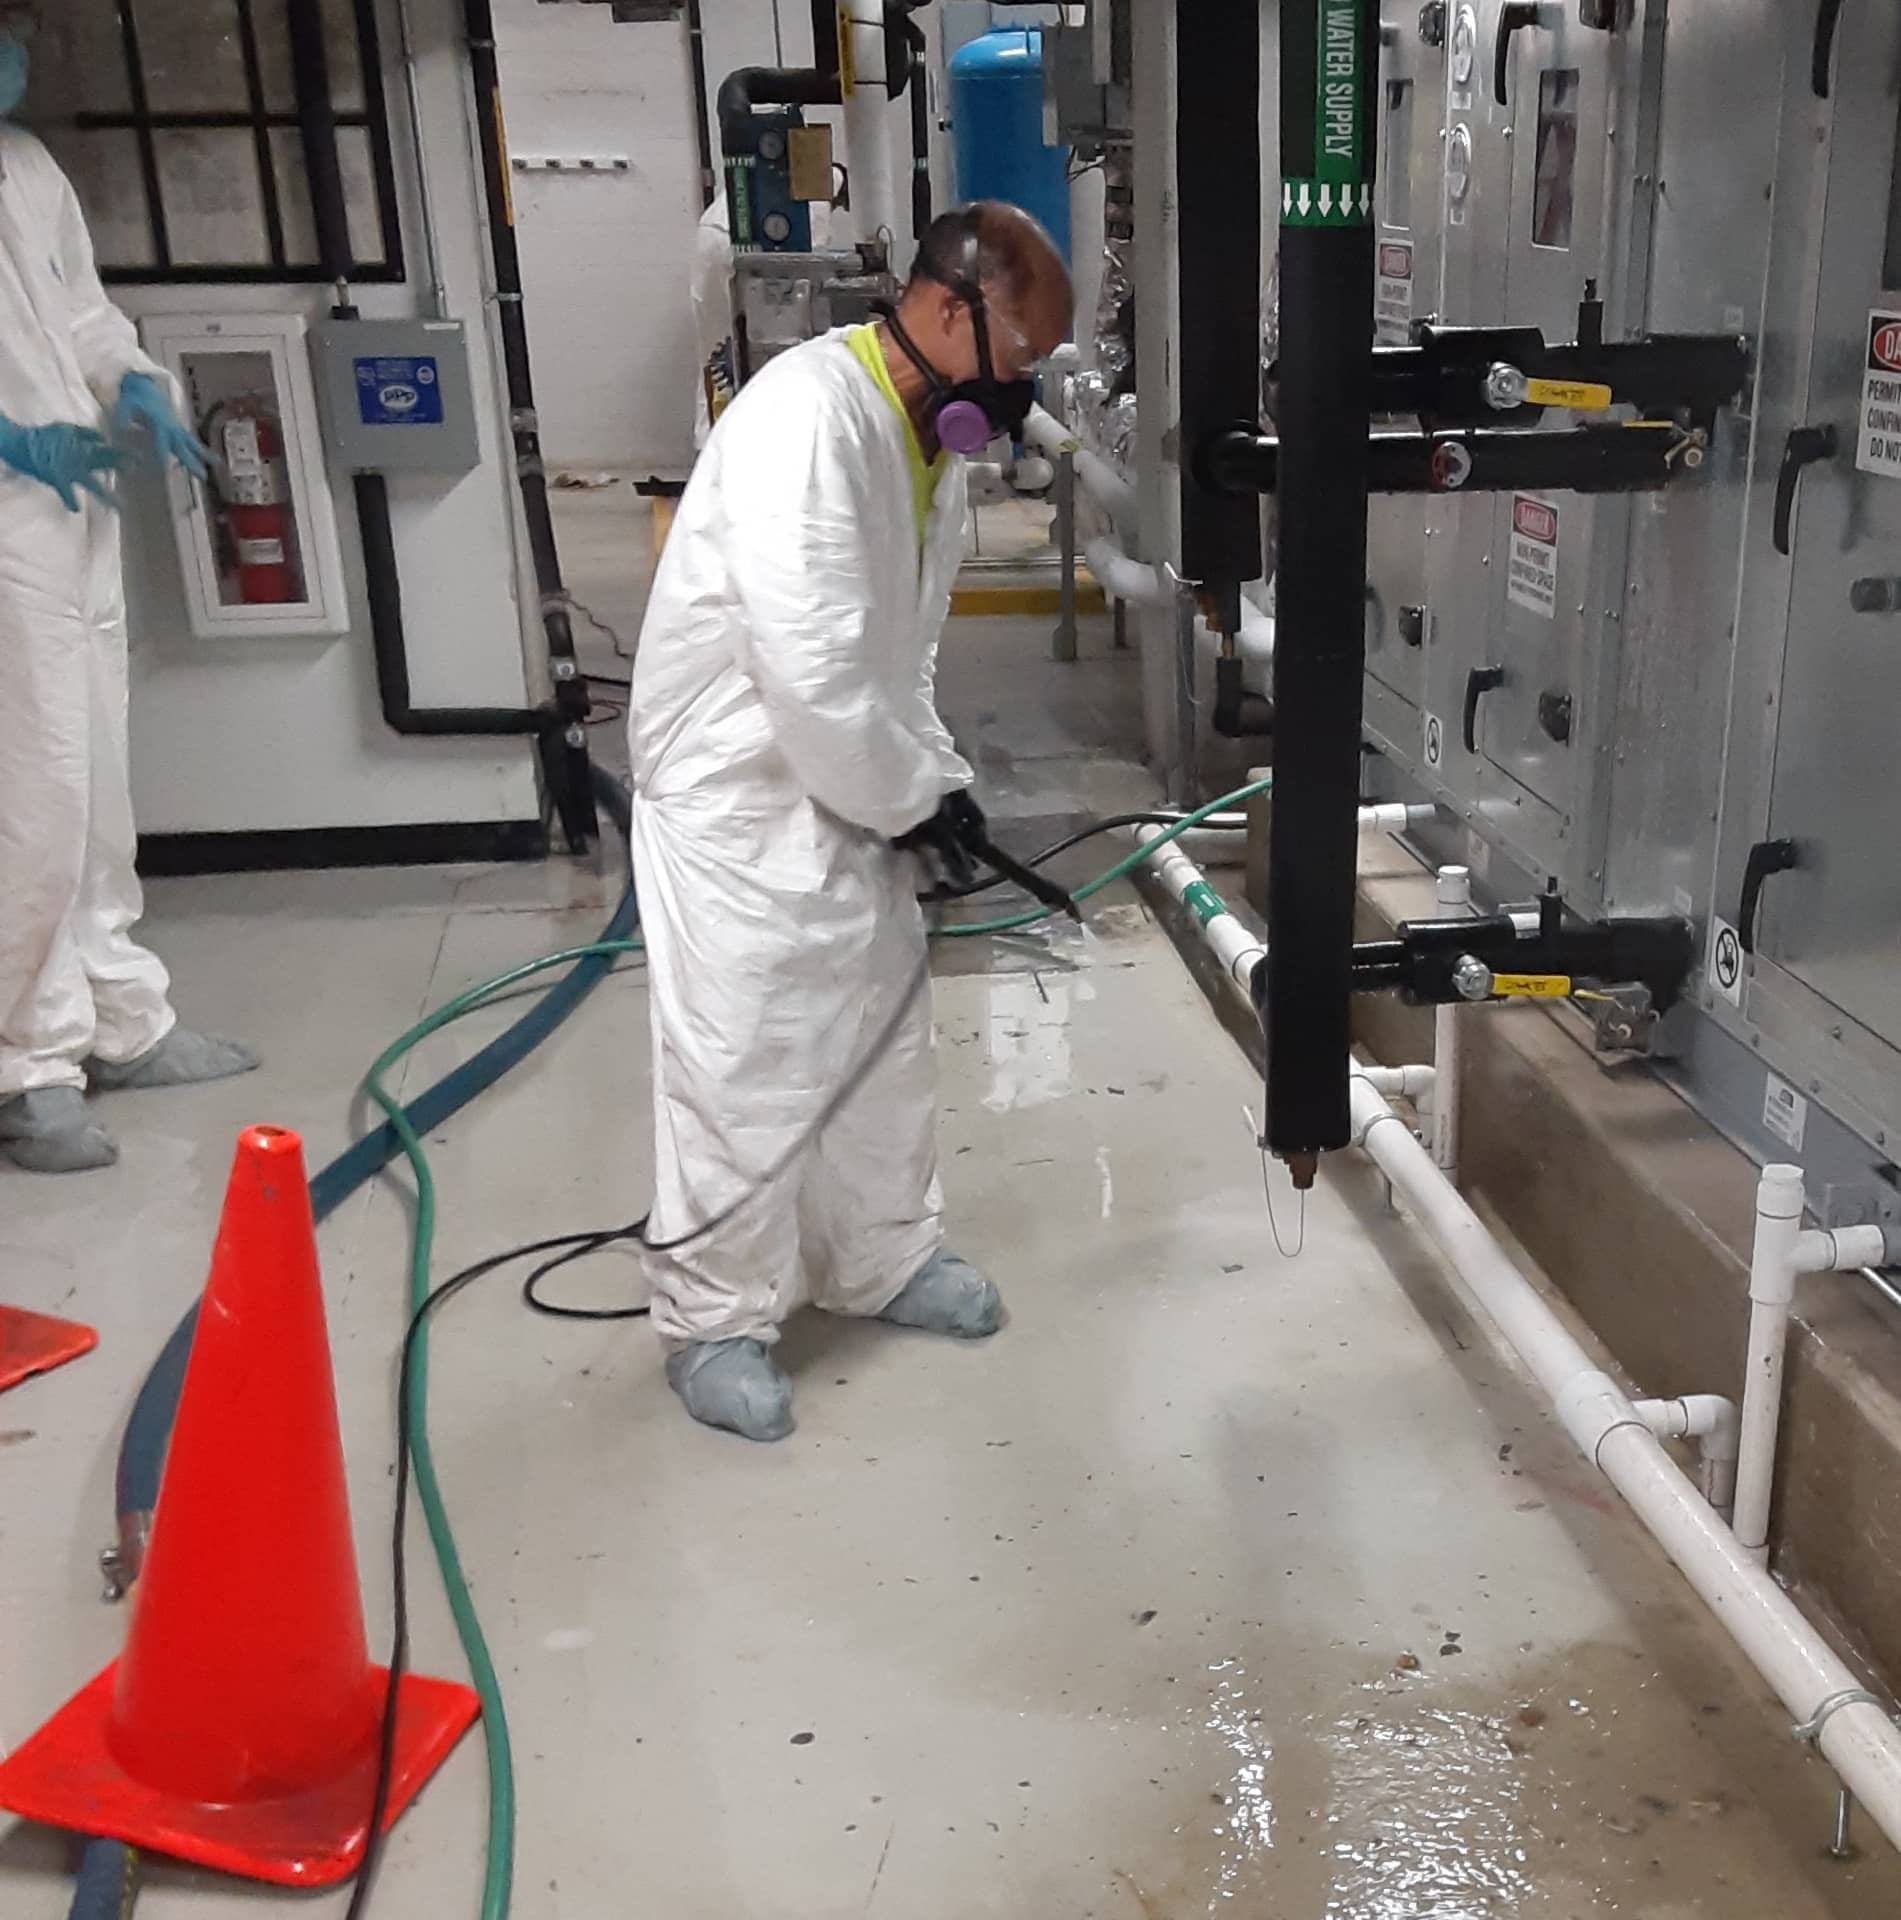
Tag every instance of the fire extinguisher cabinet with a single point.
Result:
(257, 540)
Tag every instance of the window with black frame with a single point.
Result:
(177, 122)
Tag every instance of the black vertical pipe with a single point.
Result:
(825, 50)
(920, 87)
(1329, 51)
(317, 131)
(1218, 250)
(702, 102)
(564, 751)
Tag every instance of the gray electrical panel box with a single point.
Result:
(396, 395)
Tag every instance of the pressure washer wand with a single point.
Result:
(1045, 892)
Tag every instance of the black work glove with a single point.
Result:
(948, 841)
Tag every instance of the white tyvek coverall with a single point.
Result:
(782, 730)
(73, 982)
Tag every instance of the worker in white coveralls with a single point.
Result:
(783, 737)
(81, 1003)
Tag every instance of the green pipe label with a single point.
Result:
(1338, 192)
(1203, 902)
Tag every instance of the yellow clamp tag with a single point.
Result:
(847, 67)
(1577, 396)
(1531, 986)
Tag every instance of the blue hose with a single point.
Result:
(106, 1886)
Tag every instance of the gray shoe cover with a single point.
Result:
(735, 1385)
(50, 1131)
(182, 1059)
(948, 1295)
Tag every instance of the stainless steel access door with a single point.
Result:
(1545, 545)
(1834, 921)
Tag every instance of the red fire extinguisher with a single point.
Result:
(254, 496)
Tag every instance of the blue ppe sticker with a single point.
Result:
(399, 392)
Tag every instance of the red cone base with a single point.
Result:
(33, 1343)
(239, 1729)
(65, 1776)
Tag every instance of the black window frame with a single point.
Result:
(143, 122)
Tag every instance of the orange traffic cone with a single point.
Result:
(33, 1343)
(239, 1729)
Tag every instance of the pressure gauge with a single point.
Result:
(1465, 41)
(776, 227)
(772, 146)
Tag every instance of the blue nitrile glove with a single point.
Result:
(143, 403)
(69, 459)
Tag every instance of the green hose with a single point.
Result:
(499, 1872)
(1011, 923)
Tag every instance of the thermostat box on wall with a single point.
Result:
(396, 395)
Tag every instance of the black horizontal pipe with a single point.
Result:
(1615, 459)
(748, 87)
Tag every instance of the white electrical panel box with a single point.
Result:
(257, 540)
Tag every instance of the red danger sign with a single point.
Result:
(1396, 260)
(1535, 520)
(1884, 344)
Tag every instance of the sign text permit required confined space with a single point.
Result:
(1532, 582)
(1879, 449)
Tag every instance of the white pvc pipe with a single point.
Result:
(1415, 1083)
(1454, 889)
(1779, 1252)
(1124, 578)
(1831, 1707)
(1855, 1736)
(1237, 949)
(867, 117)
(1395, 816)
(1120, 577)
(1099, 478)
(1715, 1425)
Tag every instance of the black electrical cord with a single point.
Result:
(566, 1247)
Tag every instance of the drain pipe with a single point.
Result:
(1781, 1251)
(1846, 1722)
(1448, 1031)
(1830, 1705)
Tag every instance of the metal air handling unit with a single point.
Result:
(1608, 366)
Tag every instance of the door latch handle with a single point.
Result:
(1828, 16)
(1478, 683)
(1765, 857)
(1804, 446)
(1512, 17)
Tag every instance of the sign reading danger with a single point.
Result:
(1532, 582)
(1393, 294)
(1879, 447)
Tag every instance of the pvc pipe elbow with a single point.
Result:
(1842, 1249)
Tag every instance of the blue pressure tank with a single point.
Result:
(996, 101)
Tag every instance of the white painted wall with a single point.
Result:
(284, 733)
(607, 258)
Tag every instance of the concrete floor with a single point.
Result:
(1221, 1582)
